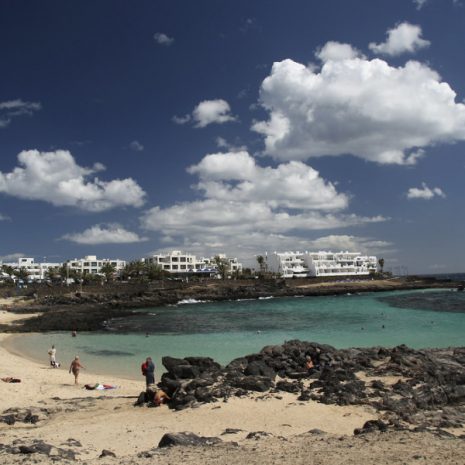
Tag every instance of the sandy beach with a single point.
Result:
(96, 420)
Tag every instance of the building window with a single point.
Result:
(175, 267)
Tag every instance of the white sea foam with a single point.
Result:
(266, 298)
(192, 301)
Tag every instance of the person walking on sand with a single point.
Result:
(75, 367)
(52, 352)
(148, 370)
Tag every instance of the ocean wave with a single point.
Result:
(266, 298)
(192, 301)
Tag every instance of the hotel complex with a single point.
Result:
(182, 263)
(90, 264)
(285, 264)
(304, 264)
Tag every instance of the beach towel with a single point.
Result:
(99, 387)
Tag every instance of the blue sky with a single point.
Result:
(233, 126)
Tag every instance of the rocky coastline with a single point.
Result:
(87, 310)
(426, 388)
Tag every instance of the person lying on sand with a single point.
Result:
(75, 367)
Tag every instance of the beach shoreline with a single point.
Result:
(73, 420)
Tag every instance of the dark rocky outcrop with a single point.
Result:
(430, 390)
(187, 439)
(37, 446)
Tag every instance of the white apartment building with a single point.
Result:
(288, 264)
(35, 271)
(302, 264)
(182, 262)
(90, 264)
(341, 264)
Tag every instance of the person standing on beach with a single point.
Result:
(148, 370)
(75, 367)
(52, 352)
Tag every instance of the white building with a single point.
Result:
(288, 264)
(302, 264)
(90, 264)
(35, 271)
(341, 264)
(182, 262)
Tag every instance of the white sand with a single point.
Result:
(108, 419)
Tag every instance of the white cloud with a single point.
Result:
(55, 177)
(4, 217)
(136, 146)
(12, 108)
(104, 234)
(213, 217)
(12, 257)
(235, 176)
(357, 106)
(208, 112)
(224, 144)
(163, 39)
(350, 243)
(246, 207)
(212, 111)
(181, 119)
(405, 37)
(420, 3)
(425, 192)
(335, 51)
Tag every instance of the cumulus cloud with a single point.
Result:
(405, 37)
(136, 146)
(425, 192)
(245, 206)
(236, 176)
(352, 105)
(162, 39)
(208, 112)
(12, 257)
(12, 108)
(104, 234)
(335, 51)
(55, 177)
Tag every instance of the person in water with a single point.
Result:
(148, 370)
(75, 367)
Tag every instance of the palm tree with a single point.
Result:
(22, 274)
(134, 269)
(153, 271)
(9, 270)
(261, 262)
(222, 266)
(108, 270)
(381, 264)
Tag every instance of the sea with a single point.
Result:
(227, 330)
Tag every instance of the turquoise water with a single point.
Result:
(228, 330)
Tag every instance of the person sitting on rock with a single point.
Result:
(309, 365)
